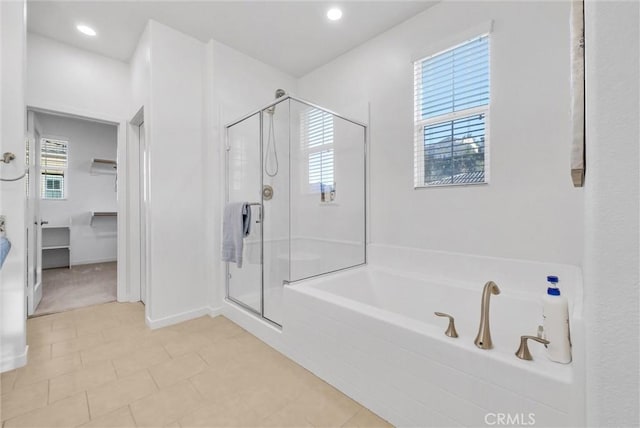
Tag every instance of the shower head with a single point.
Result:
(279, 93)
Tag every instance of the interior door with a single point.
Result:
(34, 224)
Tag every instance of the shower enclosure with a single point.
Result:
(302, 170)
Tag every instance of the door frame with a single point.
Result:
(138, 208)
(33, 221)
(125, 291)
(227, 271)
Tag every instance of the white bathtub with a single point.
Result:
(371, 332)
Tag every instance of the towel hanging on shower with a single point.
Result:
(5, 246)
(236, 225)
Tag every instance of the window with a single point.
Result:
(451, 115)
(53, 167)
(317, 141)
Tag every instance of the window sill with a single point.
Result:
(429, 186)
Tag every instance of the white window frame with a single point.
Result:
(420, 124)
(310, 150)
(65, 170)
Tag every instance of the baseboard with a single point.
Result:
(92, 262)
(14, 362)
(214, 312)
(178, 318)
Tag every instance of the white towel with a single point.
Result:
(236, 225)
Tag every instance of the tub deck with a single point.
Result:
(371, 332)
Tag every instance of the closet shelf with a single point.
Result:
(103, 166)
(55, 240)
(103, 214)
(57, 247)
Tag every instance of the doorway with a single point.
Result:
(72, 212)
(137, 220)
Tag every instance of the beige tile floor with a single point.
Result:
(101, 366)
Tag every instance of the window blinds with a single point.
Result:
(317, 139)
(451, 103)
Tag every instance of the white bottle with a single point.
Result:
(555, 312)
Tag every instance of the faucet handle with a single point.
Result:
(451, 329)
(523, 350)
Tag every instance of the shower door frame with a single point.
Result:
(227, 148)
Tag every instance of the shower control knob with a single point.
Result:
(267, 192)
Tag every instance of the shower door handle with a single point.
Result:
(259, 220)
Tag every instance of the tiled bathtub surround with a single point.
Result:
(371, 332)
(101, 366)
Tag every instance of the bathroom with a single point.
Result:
(343, 271)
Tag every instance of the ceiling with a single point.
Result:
(293, 36)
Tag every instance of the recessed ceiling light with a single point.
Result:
(334, 14)
(84, 29)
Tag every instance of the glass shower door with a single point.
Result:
(244, 166)
(275, 180)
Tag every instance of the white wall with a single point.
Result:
(64, 78)
(12, 194)
(175, 131)
(140, 75)
(240, 84)
(530, 209)
(85, 192)
(611, 258)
